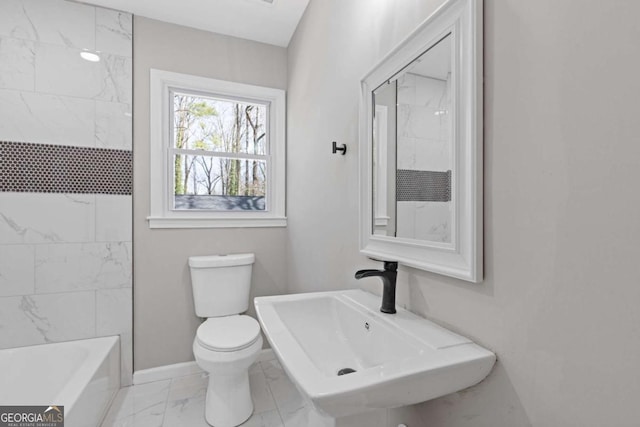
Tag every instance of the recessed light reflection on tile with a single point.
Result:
(90, 56)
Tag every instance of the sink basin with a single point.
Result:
(349, 358)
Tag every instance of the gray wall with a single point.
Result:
(164, 318)
(559, 300)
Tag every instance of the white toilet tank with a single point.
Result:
(221, 284)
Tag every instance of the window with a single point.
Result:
(217, 153)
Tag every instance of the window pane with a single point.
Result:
(219, 183)
(202, 123)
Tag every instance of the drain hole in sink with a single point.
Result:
(345, 371)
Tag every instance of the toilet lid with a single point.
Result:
(228, 333)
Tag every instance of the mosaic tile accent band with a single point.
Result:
(423, 186)
(44, 168)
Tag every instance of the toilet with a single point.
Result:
(227, 343)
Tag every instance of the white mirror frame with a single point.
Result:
(462, 259)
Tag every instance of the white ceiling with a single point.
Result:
(272, 23)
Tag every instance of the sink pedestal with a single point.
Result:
(375, 418)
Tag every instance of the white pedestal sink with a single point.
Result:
(385, 360)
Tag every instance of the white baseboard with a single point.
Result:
(176, 370)
(165, 372)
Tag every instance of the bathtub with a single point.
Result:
(81, 375)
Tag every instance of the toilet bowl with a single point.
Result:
(227, 343)
(226, 347)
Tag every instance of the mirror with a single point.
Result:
(421, 147)
(412, 149)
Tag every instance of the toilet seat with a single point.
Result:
(228, 333)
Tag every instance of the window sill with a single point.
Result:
(164, 222)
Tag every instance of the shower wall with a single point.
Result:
(424, 151)
(65, 186)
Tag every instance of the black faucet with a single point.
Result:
(388, 276)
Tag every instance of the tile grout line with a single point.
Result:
(166, 403)
(62, 95)
(255, 413)
(95, 313)
(275, 402)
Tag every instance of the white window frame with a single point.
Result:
(162, 215)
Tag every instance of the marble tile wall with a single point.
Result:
(65, 259)
(424, 130)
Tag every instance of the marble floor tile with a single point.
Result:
(187, 411)
(188, 387)
(260, 392)
(141, 405)
(180, 402)
(287, 398)
(295, 416)
(264, 419)
(255, 368)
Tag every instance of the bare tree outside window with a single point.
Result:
(220, 152)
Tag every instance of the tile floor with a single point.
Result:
(179, 401)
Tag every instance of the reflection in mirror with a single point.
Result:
(413, 149)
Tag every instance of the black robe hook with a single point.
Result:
(335, 148)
